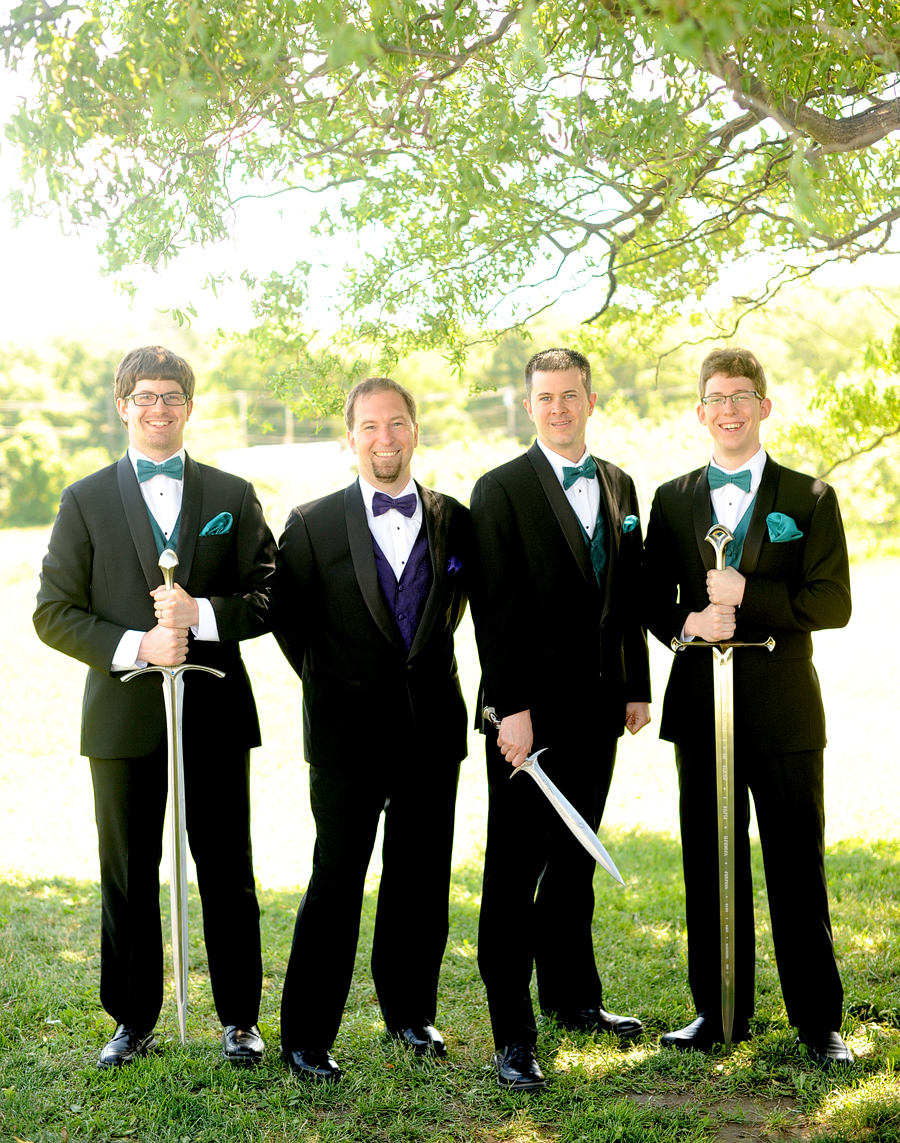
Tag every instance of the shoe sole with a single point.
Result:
(536, 1086)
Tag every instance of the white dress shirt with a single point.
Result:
(584, 495)
(394, 533)
(162, 495)
(730, 502)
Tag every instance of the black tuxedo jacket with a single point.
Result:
(546, 634)
(793, 588)
(95, 583)
(367, 700)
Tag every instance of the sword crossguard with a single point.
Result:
(678, 645)
(529, 762)
(172, 672)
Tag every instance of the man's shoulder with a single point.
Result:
(95, 482)
(510, 472)
(802, 482)
(613, 471)
(221, 478)
(683, 485)
(447, 504)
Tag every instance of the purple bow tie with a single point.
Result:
(381, 503)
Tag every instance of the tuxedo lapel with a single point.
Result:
(758, 530)
(613, 532)
(436, 527)
(189, 521)
(138, 520)
(702, 512)
(363, 555)
(563, 511)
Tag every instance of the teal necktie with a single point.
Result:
(588, 470)
(718, 479)
(173, 467)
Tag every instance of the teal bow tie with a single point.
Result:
(173, 467)
(718, 478)
(588, 470)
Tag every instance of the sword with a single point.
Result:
(723, 697)
(562, 805)
(173, 697)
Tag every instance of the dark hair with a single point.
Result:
(734, 362)
(152, 363)
(558, 361)
(376, 385)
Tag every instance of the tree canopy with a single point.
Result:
(491, 156)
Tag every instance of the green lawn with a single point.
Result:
(51, 1024)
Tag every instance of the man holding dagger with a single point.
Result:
(101, 601)
(787, 575)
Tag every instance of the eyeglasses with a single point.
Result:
(739, 399)
(151, 398)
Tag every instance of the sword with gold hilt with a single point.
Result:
(173, 697)
(723, 696)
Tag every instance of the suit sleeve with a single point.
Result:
(63, 618)
(637, 660)
(663, 613)
(294, 565)
(822, 599)
(245, 614)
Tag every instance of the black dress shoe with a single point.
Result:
(597, 1020)
(825, 1048)
(312, 1064)
(424, 1039)
(240, 1047)
(125, 1047)
(702, 1036)
(517, 1069)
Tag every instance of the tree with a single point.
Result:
(32, 476)
(492, 155)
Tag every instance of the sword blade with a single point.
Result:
(173, 694)
(723, 692)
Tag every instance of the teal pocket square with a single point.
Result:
(782, 528)
(629, 523)
(218, 525)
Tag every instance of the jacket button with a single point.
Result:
(401, 616)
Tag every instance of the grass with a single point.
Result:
(52, 1026)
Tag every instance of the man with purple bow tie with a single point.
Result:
(370, 587)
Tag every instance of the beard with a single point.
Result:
(387, 471)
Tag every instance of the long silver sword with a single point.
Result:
(573, 819)
(173, 697)
(723, 697)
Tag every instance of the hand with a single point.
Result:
(714, 624)
(515, 737)
(725, 586)
(164, 646)
(175, 608)
(637, 715)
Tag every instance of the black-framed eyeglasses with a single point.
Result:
(717, 401)
(147, 399)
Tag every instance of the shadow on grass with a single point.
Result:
(52, 1026)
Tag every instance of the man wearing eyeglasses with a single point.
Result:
(101, 601)
(787, 576)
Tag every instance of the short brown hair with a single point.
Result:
(734, 362)
(558, 361)
(376, 385)
(152, 363)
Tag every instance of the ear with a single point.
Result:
(765, 407)
(701, 413)
(592, 401)
(527, 405)
(351, 441)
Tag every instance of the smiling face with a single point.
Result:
(560, 406)
(383, 438)
(155, 430)
(733, 428)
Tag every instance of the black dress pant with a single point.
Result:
(788, 793)
(129, 803)
(537, 903)
(411, 920)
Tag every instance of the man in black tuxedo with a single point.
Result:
(370, 589)
(101, 601)
(788, 576)
(564, 663)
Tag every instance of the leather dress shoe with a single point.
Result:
(125, 1047)
(424, 1039)
(597, 1020)
(313, 1064)
(242, 1047)
(702, 1035)
(825, 1048)
(517, 1069)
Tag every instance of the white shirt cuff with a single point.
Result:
(125, 656)
(207, 630)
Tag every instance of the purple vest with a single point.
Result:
(406, 598)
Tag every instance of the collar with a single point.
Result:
(755, 464)
(134, 456)
(557, 462)
(368, 491)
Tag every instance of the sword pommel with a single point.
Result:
(168, 562)
(720, 538)
(491, 716)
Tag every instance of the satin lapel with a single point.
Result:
(189, 523)
(563, 511)
(758, 530)
(613, 531)
(702, 509)
(436, 527)
(138, 522)
(363, 556)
